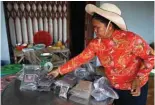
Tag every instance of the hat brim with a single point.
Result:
(115, 18)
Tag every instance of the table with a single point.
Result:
(18, 56)
(34, 56)
(11, 95)
(59, 56)
(62, 53)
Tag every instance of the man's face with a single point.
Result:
(99, 28)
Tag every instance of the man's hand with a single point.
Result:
(54, 73)
(135, 88)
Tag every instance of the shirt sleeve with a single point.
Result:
(146, 53)
(87, 54)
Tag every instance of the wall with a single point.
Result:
(139, 17)
(5, 57)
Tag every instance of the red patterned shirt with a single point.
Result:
(124, 56)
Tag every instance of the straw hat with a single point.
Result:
(109, 11)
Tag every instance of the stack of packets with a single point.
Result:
(34, 78)
(45, 83)
(81, 92)
(64, 84)
(28, 77)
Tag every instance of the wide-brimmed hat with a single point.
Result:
(109, 11)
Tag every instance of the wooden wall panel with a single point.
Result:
(25, 18)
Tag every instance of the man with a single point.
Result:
(126, 57)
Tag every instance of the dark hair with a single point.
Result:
(152, 45)
(104, 20)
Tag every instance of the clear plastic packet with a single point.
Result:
(20, 74)
(56, 90)
(44, 83)
(82, 89)
(43, 88)
(64, 91)
(29, 77)
(29, 82)
(63, 84)
(79, 100)
(34, 77)
(34, 67)
(68, 80)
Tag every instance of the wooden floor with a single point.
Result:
(150, 97)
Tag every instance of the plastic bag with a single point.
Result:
(99, 83)
(103, 90)
(108, 101)
(85, 72)
(81, 73)
(68, 80)
(90, 68)
(79, 100)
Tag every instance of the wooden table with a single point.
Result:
(18, 56)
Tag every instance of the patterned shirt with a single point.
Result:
(125, 56)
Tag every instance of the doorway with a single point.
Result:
(77, 21)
